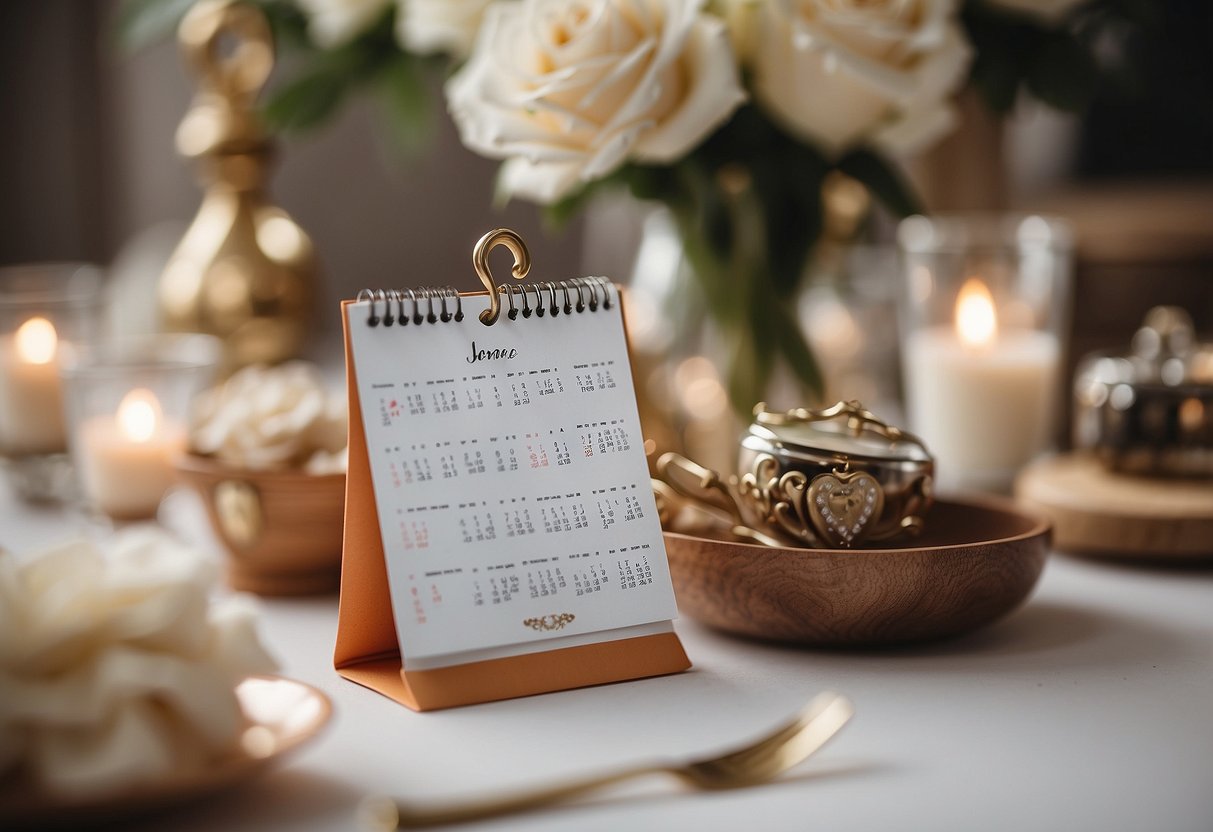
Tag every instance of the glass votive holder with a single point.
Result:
(45, 308)
(983, 332)
(128, 407)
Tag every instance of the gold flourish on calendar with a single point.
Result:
(548, 623)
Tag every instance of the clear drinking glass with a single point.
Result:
(128, 405)
(45, 309)
(984, 328)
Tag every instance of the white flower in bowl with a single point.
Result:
(271, 417)
(848, 72)
(567, 91)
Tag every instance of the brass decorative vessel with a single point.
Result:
(244, 271)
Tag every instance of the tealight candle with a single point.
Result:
(128, 402)
(126, 459)
(31, 396)
(982, 397)
(984, 321)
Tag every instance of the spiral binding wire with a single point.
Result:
(442, 304)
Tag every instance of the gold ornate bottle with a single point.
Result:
(244, 271)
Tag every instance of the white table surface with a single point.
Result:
(1091, 708)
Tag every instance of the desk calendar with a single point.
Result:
(501, 534)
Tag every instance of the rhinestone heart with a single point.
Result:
(845, 506)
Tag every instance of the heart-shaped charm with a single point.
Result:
(845, 506)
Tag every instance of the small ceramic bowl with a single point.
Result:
(282, 529)
(973, 564)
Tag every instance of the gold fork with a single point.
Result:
(753, 764)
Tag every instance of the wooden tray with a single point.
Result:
(1100, 513)
(975, 563)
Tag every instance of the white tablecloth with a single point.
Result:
(1091, 708)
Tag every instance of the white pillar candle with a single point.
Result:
(31, 395)
(982, 399)
(126, 460)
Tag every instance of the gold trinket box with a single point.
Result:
(831, 478)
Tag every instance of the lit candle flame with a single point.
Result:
(139, 415)
(36, 341)
(976, 318)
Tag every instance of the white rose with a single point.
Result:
(568, 90)
(275, 417)
(741, 16)
(1049, 11)
(116, 666)
(334, 22)
(450, 26)
(844, 72)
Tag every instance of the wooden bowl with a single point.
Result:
(282, 529)
(974, 563)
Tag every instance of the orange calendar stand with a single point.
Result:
(367, 651)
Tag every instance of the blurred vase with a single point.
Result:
(734, 312)
(244, 270)
(849, 313)
(676, 353)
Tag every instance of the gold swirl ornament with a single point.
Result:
(550, 623)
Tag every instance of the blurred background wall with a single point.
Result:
(87, 163)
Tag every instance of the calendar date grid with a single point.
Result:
(405, 401)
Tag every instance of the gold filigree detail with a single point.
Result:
(838, 508)
(859, 421)
(548, 623)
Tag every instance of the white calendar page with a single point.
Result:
(510, 478)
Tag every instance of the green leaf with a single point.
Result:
(789, 191)
(882, 179)
(1003, 40)
(140, 23)
(797, 352)
(289, 25)
(997, 81)
(1062, 73)
(754, 354)
(651, 182)
(406, 104)
(559, 214)
(306, 101)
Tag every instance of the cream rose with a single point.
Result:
(845, 72)
(272, 417)
(741, 16)
(566, 91)
(116, 667)
(1049, 11)
(450, 26)
(334, 22)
